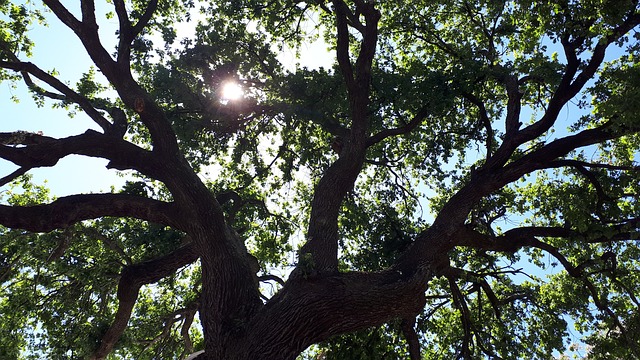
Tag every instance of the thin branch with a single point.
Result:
(67, 93)
(354, 19)
(110, 243)
(480, 280)
(342, 47)
(64, 15)
(144, 19)
(461, 303)
(270, 277)
(484, 118)
(408, 127)
(127, 31)
(578, 163)
(184, 331)
(124, 31)
(601, 305)
(17, 173)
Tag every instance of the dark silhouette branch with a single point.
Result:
(484, 119)
(605, 309)
(570, 85)
(417, 119)
(342, 47)
(542, 158)
(127, 31)
(119, 75)
(14, 175)
(479, 279)
(270, 277)
(411, 336)
(460, 302)
(515, 239)
(32, 150)
(71, 209)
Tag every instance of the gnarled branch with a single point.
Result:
(132, 279)
(71, 209)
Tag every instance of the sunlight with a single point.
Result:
(231, 91)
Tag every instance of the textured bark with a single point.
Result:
(305, 312)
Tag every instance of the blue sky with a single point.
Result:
(57, 48)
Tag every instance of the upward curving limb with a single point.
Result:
(320, 253)
(133, 277)
(417, 119)
(71, 209)
(575, 77)
(544, 157)
(127, 31)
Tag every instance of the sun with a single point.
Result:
(231, 91)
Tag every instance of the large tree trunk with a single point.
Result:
(308, 310)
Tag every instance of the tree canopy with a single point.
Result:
(462, 182)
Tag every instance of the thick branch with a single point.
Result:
(320, 253)
(518, 238)
(69, 210)
(570, 85)
(307, 312)
(42, 151)
(542, 158)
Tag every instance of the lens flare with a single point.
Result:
(231, 91)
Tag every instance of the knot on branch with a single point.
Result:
(138, 105)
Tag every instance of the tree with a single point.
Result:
(515, 124)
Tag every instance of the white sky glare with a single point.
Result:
(231, 90)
